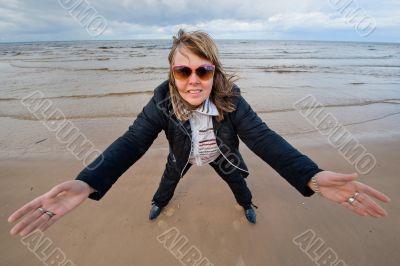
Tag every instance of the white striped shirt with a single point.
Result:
(204, 144)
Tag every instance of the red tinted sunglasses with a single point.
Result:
(204, 72)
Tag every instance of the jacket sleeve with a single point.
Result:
(105, 170)
(295, 167)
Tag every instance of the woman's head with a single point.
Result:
(197, 73)
(193, 76)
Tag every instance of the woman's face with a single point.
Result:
(193, 89)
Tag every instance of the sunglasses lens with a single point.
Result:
(205, 72)
(182, 72)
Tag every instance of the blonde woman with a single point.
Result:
(203, 116)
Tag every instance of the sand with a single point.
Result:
(203, 213)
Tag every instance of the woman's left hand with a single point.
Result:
(342, 189)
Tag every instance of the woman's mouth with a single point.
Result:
(194, 92)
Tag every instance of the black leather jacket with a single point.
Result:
(158, 115)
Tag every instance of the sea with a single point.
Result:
(357, 81)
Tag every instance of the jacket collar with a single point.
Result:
(208, 108)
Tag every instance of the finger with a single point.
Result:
(36, 203)
(368, 205)
(371, 205)
(34, 225)
(344, 178)
(30, 206)
(50, 222)
(356, 210)
(28, 219)
(372, 192)
(360, 209)
(373, 214)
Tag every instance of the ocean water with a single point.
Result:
(105, 84)
(121, 75)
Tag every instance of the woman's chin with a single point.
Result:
(195, 102)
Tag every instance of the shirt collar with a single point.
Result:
(208, 108)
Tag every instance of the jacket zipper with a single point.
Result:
(223, 155)
(191, 146)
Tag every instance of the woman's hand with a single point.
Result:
(60, 200)
(340, 188)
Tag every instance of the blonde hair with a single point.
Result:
(201, 44)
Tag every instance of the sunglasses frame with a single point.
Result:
(193, 71)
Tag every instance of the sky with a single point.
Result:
(325, 20)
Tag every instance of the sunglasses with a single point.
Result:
(204, 72)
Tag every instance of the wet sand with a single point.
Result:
(203, 212)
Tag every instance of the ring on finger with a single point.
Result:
(50, 214)
(355, 195)
(351, 200)
(41, 210)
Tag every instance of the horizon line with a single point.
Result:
(216, 39)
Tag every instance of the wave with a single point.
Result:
(135, 69)
(283, 71)
(111, 94)
(57, 60)
(280, 87)
(298, 52)
(394, 66)
(149, 47)
(286, 69)
(110, 47)
(74, 117)
(257, 56)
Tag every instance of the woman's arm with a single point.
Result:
(301, 171)
(294, 166)
(105, 170)
(96, 179)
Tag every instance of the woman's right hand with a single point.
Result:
(60, 200)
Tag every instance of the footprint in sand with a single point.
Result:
(169, 212)
(240, 261)
(162, 224)
(238, 223)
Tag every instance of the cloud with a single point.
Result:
(127, 19)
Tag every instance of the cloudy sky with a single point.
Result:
(339, 20)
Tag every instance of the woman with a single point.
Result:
(203, 114)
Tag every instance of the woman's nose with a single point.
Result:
(193, 78)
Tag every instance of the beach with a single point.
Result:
(100, 87)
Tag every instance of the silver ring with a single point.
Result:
(50, 214)
(351, 200)
(41, 210)
(355, 195)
